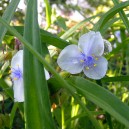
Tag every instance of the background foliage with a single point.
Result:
(68, 101)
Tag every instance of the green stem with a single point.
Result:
(63, 117)
(15, 106)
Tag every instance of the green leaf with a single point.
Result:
(108, 24)
(122, 15)
(53, 39)
(48, 13)
(60, 21)
(6, 88)
(37, 103)
(12, 114)
(55, 84)
(4, 67)
(103, 98)
(7, 15)
(46, 37)
(116, 79)
(107, 16)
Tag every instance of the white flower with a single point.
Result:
(87, 56)
(17, 76)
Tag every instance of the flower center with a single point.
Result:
(88, 61)
(16, 74)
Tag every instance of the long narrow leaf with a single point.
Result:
(103, 99)
(122, 15)
(37, 104)
(107, 16)
(116, 79)
(48, 13)
(53, 40)
(46, 37)
(12, 114)
(8, 14)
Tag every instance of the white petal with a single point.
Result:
(69, 59)
(47, 75)
(17, 63)
(18, 90)
(17, 60)
(92, 43)
(98, 71)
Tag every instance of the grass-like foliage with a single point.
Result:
(77, 78)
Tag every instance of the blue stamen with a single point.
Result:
(88, 61)
(16, 74)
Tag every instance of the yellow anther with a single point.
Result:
(95, 65)
(15, 78)
(81, 60)
(87, 68)
(9, 78)
(96, 58)
(93, 55)
(10, 71)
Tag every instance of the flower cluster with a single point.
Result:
(86, 57)
(17, 76)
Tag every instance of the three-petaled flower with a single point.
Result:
(17, 76)
(87, 56)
